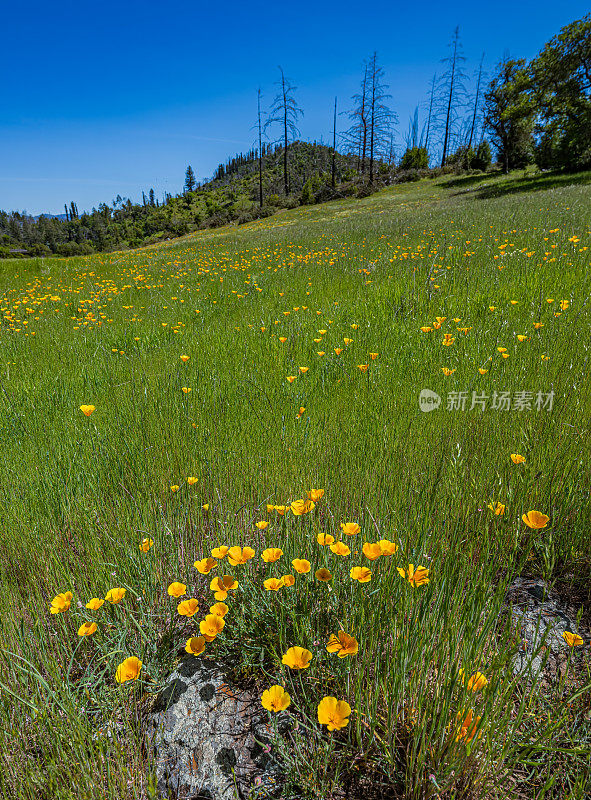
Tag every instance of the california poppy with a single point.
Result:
(195, 645)
(416, 577)
(297, 658)
(572, 639)
(128, 670)
(275, 699)
(535, 520)
(300, 507)
(340, 549)
(325, 538)
(467, 727)
(361, 574)
(205, 565)
(240, 555)
(211, 626)
(271, 554)
(342, 644)
(388, 548)
(333, 713)
(87, 629)
(115, 595)
(221, 586)
(372, 550)
(517, 459)
(61, 602)
(273, 584)
(350, 528)
(301, 565)
(188, 608)
(221, 609)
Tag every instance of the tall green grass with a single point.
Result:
(77, 494)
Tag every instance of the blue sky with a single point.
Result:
(115, 97)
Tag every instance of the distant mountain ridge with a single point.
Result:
(37, 217)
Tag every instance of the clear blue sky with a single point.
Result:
(114, 97)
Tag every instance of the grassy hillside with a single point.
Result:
(231, 196)
(335, 297)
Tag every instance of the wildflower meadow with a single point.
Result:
(318, 448)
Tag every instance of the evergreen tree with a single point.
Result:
(509, 114)
(561, 92)
(189, 179)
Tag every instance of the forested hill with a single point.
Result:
(233, 194)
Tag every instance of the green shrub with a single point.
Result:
(414, 158)
(483, 158)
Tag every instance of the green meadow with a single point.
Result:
(334, 296)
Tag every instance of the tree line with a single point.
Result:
(530, 112)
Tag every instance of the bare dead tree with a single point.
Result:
(334, 146)
(453, 86)
(391, 153)
(476, 102)
(285, 112)
(430, 113)
(380, 115)
(260, 129)
(356, 136)
(412, 136)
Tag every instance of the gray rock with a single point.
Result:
(212, 739)
(540, 619)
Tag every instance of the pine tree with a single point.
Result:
(189, 179)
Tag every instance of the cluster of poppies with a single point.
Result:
(332, 712)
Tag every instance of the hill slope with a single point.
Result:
(233, 195)
(235, 370)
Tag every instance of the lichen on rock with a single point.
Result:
(211, 739)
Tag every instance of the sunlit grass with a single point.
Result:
(147, 418)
